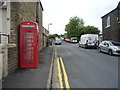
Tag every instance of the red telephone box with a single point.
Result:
(28, 44)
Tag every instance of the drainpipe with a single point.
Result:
(118, 24)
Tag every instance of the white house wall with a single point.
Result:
(3, 25)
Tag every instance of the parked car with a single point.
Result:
(62, 38)
(73, 40)
(89, 40)
(67, 40)
(110, 47)
(58, 41)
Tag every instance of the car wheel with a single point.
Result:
(110, 52)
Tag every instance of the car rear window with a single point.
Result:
(74, 39)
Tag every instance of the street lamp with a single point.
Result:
(47, 43)
(48, 25)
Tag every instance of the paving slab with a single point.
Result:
(31, 77)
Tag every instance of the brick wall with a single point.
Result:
(106, 31)
(110, 33)
(114, 25)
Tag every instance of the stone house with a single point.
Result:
(4, 26)
(111, 25)
(45, 37)
(12, 14)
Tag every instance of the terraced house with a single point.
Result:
(111, 25)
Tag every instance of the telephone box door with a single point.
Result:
(28, 44)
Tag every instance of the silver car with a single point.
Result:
(110, 47)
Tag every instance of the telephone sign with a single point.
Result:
(28, 26)
(28, 44)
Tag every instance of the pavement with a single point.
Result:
(40, 77)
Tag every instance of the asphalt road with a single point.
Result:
(87, 68)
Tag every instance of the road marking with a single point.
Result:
(65, 74)
(59, 74)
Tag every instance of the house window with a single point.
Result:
(108, 21)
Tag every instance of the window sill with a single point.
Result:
(107, 26)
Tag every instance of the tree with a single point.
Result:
(90, 30)
(73, 26)
(76, 27)
(62, 35)
(53, 36)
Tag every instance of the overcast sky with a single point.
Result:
(58, 12)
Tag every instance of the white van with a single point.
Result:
(58, 41)
(89, 40)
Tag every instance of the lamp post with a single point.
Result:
(48, 25)
(47, 43)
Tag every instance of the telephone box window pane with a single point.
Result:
(27, 52)
(27, 32)
(28, 56)
(28, 60)
(28, 36)
(27, 48)
(27, 44)
(28, 40)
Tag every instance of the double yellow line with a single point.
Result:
(60, 62)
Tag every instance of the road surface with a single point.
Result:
(87, 68)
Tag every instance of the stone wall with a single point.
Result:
(13, 59)
(20, 12)
(45, 37)
(40, 17)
